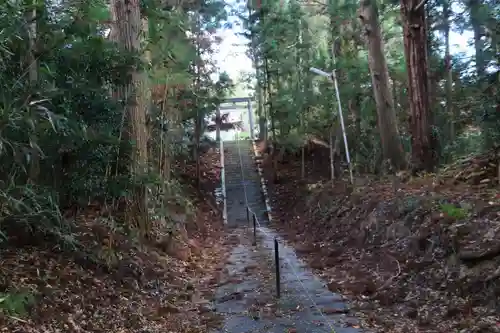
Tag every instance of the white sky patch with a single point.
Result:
(230, 55)
(460, 43)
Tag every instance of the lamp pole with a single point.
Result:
(333, 77)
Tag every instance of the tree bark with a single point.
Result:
(199, 115)
(387, 122)
(336, 171)
(31, 66)
(354, 109)
(128, 27)
(258, 86)
(449, 78)
(415, 44)
(477, 28)
(335, 145)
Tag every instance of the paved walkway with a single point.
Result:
(247, 298)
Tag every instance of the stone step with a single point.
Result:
(243, 184)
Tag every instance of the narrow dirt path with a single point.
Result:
(247, 296)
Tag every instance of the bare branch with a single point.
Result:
(417, 7)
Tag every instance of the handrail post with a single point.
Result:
(277, 262)
(248, 215)
(254, 230)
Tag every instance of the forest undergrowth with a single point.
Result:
(413, 254)
(120, 284)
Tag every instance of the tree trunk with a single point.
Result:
(335, 145)
(258, 86)
(476, 19)
(433, 76)
(354, 109)
(415, 43)
(31, 66)
(387, 122)
(449, 78)
(270, 99)
(128, 25)
(336, 171)
(199, 116)
(261, 120)
(275, 115)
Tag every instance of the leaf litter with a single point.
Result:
(123, 287)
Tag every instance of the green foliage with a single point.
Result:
(292, 143)
(66, 117)
(16, 303)
(63, 138)
(285, 41)
(453, 211)
(32, 207)
(468, 141)
(224, 87)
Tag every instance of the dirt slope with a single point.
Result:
(415, 256)
(125, 287)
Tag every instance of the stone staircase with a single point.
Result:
(306, 305)
(242, 177)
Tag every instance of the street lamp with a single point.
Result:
(333, 77)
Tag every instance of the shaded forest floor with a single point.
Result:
(119, 285)
(420, 255)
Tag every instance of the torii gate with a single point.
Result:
(233, 101)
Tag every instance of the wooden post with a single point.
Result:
(217, 123)
(250, 117)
